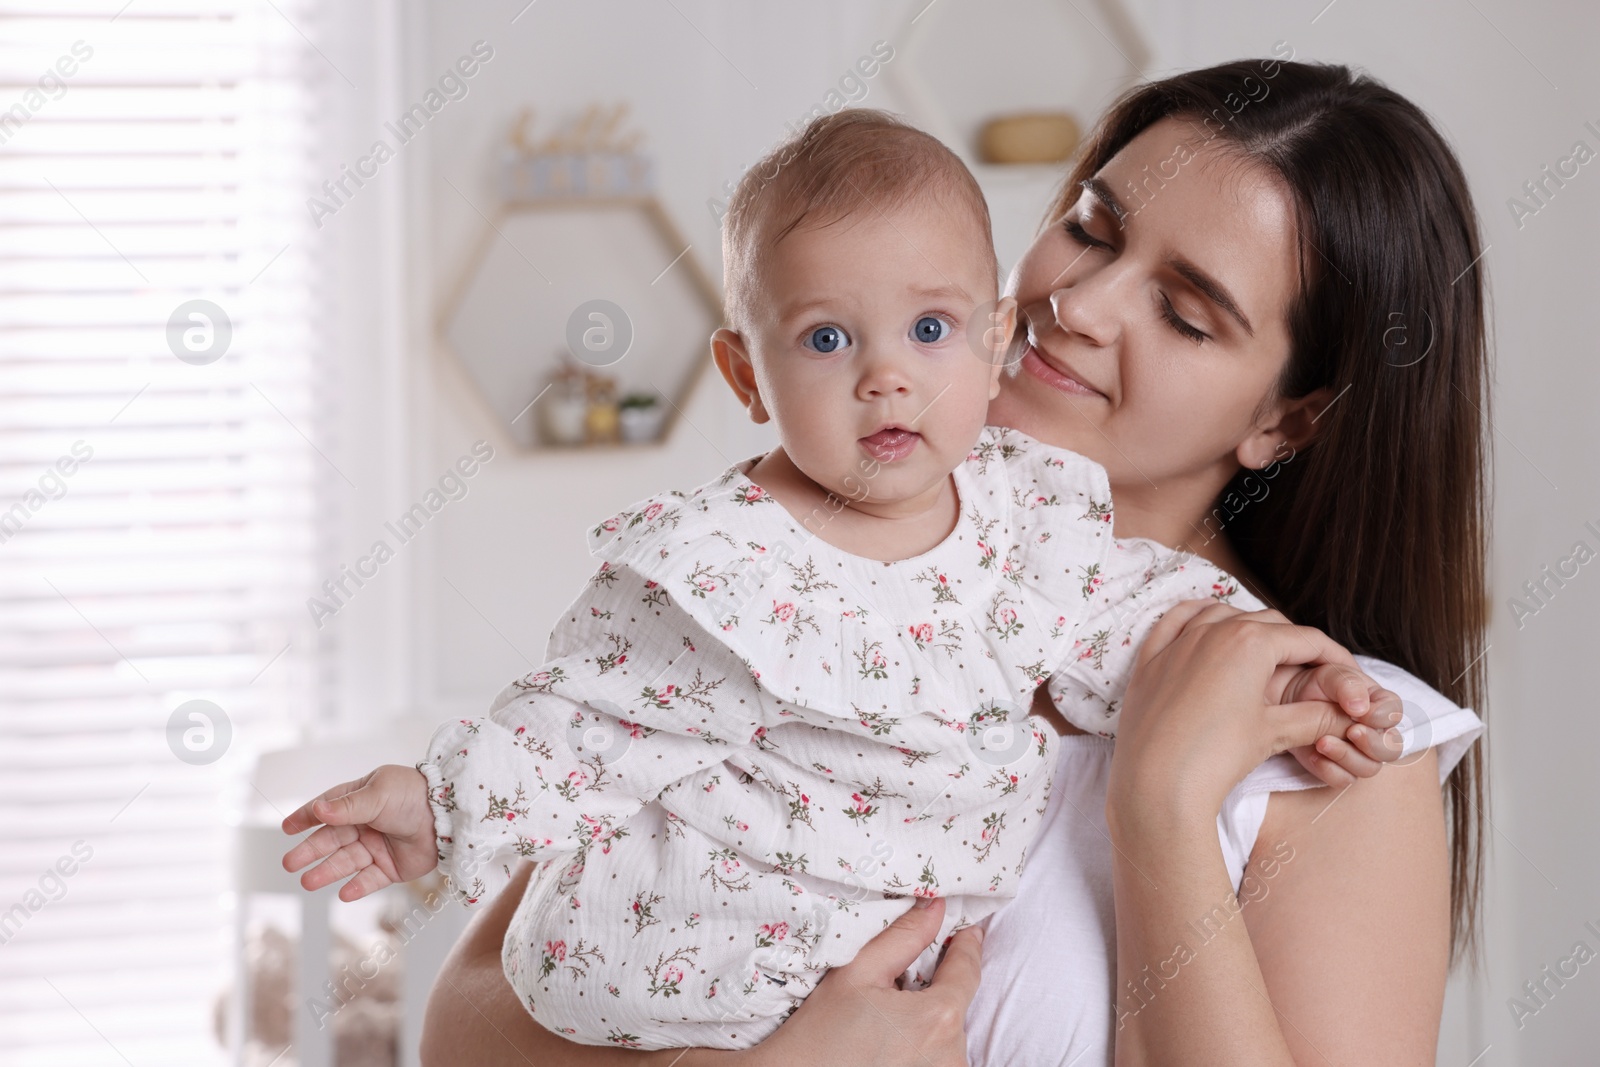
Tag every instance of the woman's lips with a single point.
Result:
(891, 444)
(1035, 364)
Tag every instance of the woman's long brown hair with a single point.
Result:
(1376, 533)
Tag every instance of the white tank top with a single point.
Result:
(1049, 960)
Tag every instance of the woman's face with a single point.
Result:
(1155, 319)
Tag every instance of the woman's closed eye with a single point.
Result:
(826, 340)
(1076, 231)
(1183, 327)
(1177, 322)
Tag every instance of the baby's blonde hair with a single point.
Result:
(859, 159)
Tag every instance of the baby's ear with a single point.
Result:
(997, 340)
(732, 358)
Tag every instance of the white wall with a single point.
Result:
(496, 568)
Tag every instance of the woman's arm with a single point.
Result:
(473, 1015)
(1298, 973)
(855, 1015)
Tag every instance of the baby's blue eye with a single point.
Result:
(827, 339)
(930, 329)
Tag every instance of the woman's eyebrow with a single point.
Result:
(1102, 192)
(1212, 289)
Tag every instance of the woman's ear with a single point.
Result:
(728, 352)
(1294, 426)
(996, 344)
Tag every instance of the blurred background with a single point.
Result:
(290, 467)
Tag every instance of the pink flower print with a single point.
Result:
(653, 512)
(577, 779)
(610, 525)
(556, 949)
(860, 805)
(1061, 620)
(921, 633)
(753, 493)
(777, 931)
(650, 585)
(633, 728)
(878, 660)
(743, 826)
(924, 891)
(708, 585)
(674, 975)
(521, 730)
(511, 816)
(783, 612)
(1007, 617)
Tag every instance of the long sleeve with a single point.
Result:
(634, 697)
(1141, 581)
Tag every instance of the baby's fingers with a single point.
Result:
(1348, 758)
(320, 845)
(305, 817)
(1327, 771)
(351, 859)
(1337, 683)
(1383, 746)
(369, 880)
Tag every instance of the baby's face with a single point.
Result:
(862, 351)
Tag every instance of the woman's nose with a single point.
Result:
(1086, 309)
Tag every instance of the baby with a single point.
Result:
(797, 697)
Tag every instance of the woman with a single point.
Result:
(1258, 304)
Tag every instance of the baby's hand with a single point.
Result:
(378, 828)
(1369, 742)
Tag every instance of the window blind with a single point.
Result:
(163, 468)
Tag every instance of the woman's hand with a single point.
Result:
(1201, 709)
(856, 1015)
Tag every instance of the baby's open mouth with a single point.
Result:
(891, 443)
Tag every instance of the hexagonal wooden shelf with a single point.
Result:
(1063, 61)
(539, 260)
